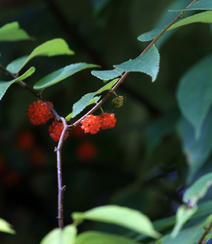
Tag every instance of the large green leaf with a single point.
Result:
(61, 74)
(194, 93)
(94, 237)
(4, 85)
(204, 17)
(58, 236)
(198, 190)
(147, 63)
(199, 5)
(50, 48)
(196, 151)
(121, 216)
(89, 99)
(184, 213)
(106, 74)
(6, 227)
(12, 32)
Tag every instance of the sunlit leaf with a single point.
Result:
(196, 151)
(184, 213)
(108, 86)
(4, 85)
(13, 32)
(6, 227)
(50, 48)
(58, 236)
(147, 63)
(61, 74)
(94, 237)
(106, 74)
(199, 5)
(198, 190)
(121, 216)
(194, 93)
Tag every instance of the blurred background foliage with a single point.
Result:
(140, 163)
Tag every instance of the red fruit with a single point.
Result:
(91, 124)
(108, 121)
(56, 129)
(24, 140)
(39, 112)
(86, 151)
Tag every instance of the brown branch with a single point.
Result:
(207, 229)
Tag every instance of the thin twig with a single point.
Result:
(207, 229)
(61, 188)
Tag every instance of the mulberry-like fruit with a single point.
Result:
(39, 112)
(91, 124)
(107, 120)
(56, 129)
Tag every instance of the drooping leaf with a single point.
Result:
(6, 227)
(198, 190)
(184, 213)
(4, 85)
(199, 5)
(58, 236)
(82, 103)
(194, 96)
(121, 216)
(61, 74)
(196, 151)
(13, 32)
(94, 237)
(50, 48)
(89, 99)
(204, 17)
(147, 63)
(106, 74)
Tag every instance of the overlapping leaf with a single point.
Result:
(4, 85)
(106, 74)
(121, 216)
(94, 237)
(61, 74)
(147, 63)
(50, 48)
(194, 93)
(13, 32)
(196, 151)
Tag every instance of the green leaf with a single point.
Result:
(199, 5)
(12, 32)
(89, 99)
(147, 63)
(61, 74)
(188, 236)
(4, 85)
(50, 48)
(106, 74)
(196, 151)
(58, 236)
(94, 237)
(184, 213)
(204, 17)
(6, 227)
(194, 96)
(198, 190)
(121, 216)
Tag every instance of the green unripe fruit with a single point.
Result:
(118, 101)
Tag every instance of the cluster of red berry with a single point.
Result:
(39, 113)
(92, 124)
